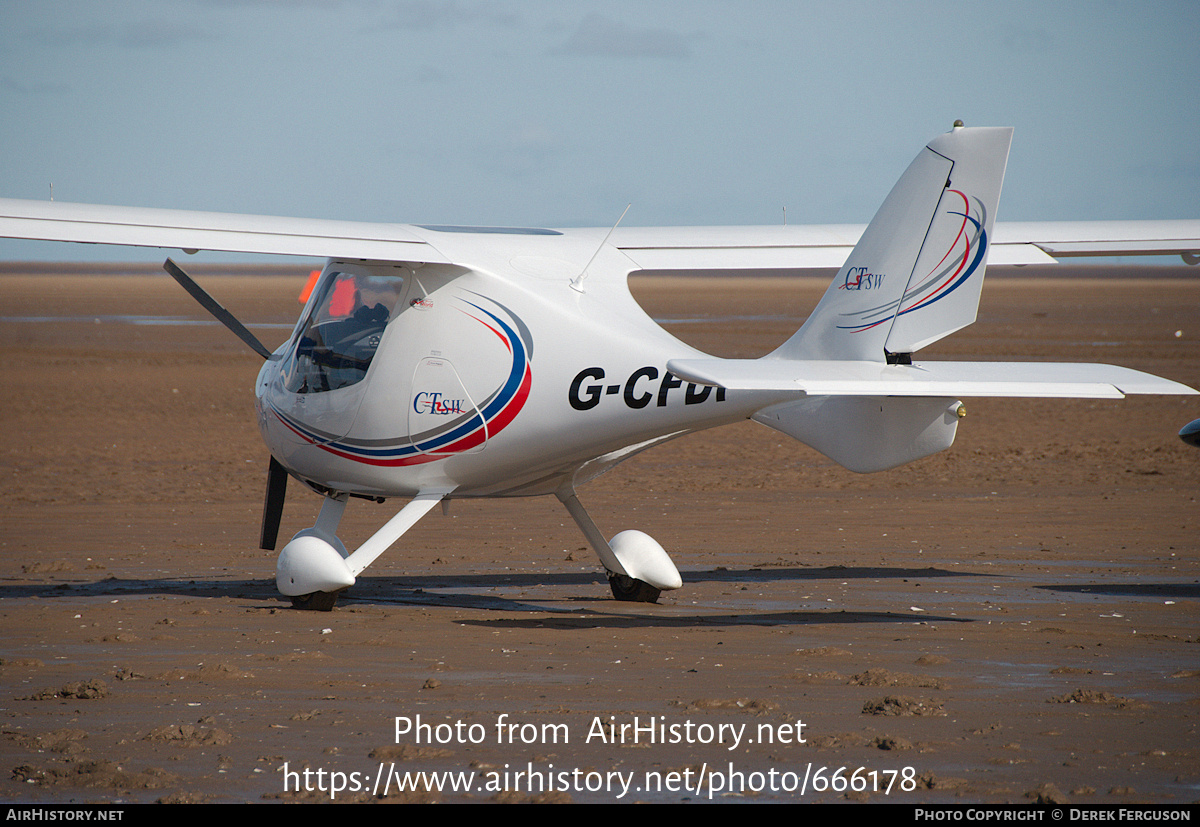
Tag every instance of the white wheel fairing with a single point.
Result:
(311, 564)
(644, 559)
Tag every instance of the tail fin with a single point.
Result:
(914, 277)
(917, 271)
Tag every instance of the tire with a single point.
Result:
(316, 601)
(631, 590)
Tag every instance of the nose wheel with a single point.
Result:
(314, 568)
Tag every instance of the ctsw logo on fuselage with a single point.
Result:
(432, 402)
(637, 391)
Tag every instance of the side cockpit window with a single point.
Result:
(339, 338)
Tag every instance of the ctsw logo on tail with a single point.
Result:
(963, 257)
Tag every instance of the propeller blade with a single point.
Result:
(273, 505)
(214, 307)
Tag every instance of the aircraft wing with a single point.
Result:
(187, 230)
(650, 248)
(786, 247)
(1067, 239)
(925, 379)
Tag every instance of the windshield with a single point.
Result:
(342, 332)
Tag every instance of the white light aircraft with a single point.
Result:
(438, 362)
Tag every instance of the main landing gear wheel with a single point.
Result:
(316, 601)
(632, 590)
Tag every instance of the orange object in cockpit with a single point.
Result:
(309, 285)
(344, 300)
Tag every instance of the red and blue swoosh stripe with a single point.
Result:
(950, 273)
(465, 433)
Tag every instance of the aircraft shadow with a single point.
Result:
(598, 610)
(1131, 589)
(719, 575)
(591, 619)
(463, 591)
(118, 587)
(266, 587)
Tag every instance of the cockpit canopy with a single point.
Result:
(339, 336)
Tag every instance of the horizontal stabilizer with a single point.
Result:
(928, 379)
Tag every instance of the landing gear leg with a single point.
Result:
(630, 557)
(314, 568)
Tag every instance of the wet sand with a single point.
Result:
(1014, 617)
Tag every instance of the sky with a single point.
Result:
(545, 113)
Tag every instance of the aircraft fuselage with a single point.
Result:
(512, 393)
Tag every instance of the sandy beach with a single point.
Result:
(1014, 619)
